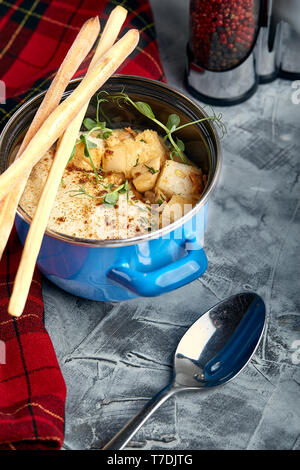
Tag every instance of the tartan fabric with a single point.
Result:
(32, 389)
(36, 35)
(34, 38)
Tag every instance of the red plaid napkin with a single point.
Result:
(34, 38)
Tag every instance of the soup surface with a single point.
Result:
(117, 187)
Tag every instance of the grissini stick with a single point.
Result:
(110, 33)
(77, 52)
(59, 119)
(39, 222)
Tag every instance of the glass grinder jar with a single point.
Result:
(221, 64)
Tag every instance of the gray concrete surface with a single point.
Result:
(116, 356)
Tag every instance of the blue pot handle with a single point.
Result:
(165, 279)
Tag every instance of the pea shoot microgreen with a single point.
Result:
(95, 124)
(125, 189)
(74, 150)
(88, 144)
(172, 125)
(92, 125)
(110, 198)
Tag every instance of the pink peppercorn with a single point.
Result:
(222, 31)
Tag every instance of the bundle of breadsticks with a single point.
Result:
(53, 121)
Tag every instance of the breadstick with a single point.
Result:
(59, 119)
(40, 220)
(77, 52)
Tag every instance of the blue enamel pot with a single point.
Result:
(146, 265)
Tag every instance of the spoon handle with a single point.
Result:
(128, 431)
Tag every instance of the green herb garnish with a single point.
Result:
(172, 125)
(89, 123)
(125, 189)
(74, 150)
(152, 171)
(92, 126)
(95, 124)
(81, 191)
(173, 122)
(87, 146)
(110, 198)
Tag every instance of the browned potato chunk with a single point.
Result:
(124, 150)
(114, 157)
(144, 182)
(150, 145)
(150, 166)
(114, 160)
(115, 178)
(176, 208)
(145, 175)
(80, 161)
(179, 178)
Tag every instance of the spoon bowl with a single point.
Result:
(214, 350)
(220, 343)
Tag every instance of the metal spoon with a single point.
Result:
(213, 351)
